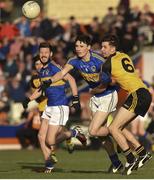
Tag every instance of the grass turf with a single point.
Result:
(24, 164)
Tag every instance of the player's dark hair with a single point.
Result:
(112, 39)
(84, 38)
(45, 45)
(35, 59)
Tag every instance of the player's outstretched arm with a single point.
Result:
(75, 99)
(72, 84)
(60, 75)
(37, 93)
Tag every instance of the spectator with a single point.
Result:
(4, 108)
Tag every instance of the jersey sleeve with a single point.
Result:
(56, 68)
(73, 62)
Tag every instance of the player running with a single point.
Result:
(56, 113)
(120, 67)
(88, 64)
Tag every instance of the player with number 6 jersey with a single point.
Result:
(123, 71)
(121, 68)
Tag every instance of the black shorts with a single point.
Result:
(138, 101)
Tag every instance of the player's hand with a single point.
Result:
(76, 103)
(25, 103)
(46, 84)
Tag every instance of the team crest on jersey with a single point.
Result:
(93, 68)
(46, 72)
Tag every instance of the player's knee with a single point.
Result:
(92, 132)
(111, 129)
(50, 140)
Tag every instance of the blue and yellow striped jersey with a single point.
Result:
(56, 92)
(91, 70)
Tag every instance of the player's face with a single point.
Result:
(44, 54)
(81, 49)
(107, 49)
(38, 65)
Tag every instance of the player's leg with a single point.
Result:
(136, 104)
(50, 114)
(101, 108)
(137, 147)
(116, 164)
(51, 142)
(42, 137)
(96, 127)
(52, 133)
(123, 117)
(134, 126)
(130, 138)
(63, 135)
(106, 140)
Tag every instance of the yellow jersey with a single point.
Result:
(42, 100)
(122, 70)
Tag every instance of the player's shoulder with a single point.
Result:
(53, 63)
(74, 58)
(97, 55)
(122, 55)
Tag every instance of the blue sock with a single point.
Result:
(73, 131)
(115, 160)
(48, 163)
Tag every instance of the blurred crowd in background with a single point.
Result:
(20, 38)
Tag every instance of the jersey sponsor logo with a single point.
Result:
(90, 77)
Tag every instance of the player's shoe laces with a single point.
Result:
(129, 168)
(113, 169)
(144, 159)
(80, 135)
(69, 146)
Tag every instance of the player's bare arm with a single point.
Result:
(72, 84)
(37, 93)
(60, 75)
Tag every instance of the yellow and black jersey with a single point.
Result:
(36, 83)
(122, 70)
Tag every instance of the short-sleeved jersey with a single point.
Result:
(56, 92)
(121, 68)
(91, 70)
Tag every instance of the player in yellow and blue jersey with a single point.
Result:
(56, 113)
(88, 64)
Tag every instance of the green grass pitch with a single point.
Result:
(24, 164)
